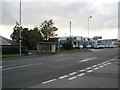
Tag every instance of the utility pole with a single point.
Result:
(88, 28)
(20, 29)
(88, 24)
(70, 30)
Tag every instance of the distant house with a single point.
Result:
(9, 47)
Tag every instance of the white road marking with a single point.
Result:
(48, 81)
(1, 67)
(94, 65)
(95, 68)
(37, 63)
(101, 66)
(81, 70)
(9, 65)
(81, 74)
(89, 68)
(105, 64)
(110, 60)
(63, 76)
(109, 63)
(72, 78)
(72, 73)
(89, 71)
(21, 66)
(87, 59)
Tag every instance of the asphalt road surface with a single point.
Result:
(97, 68)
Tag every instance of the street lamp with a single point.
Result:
(88, 24)
(70, 30)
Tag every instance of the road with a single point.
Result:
(85, 69)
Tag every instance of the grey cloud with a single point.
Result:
(10, 13)
(33, 13)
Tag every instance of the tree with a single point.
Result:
(48, 30)
(16, 33)
(25, 37)
(34, 37)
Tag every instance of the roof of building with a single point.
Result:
(5, 41)
(108, 40)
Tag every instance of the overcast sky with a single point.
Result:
(104, 21)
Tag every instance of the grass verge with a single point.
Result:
(35, 52)
(11, 55)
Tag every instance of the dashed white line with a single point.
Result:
(101, 66)
(94, 65)
(81, 70)
(48, 81)
(82, 61)
(37, 64)
(105, 64)
(109, 63)
(63, 76)
(21, 66)
(9, 65)
(95, 68)
(89, 71)
(72, 78)
(87, 59)
(1, 67)
(89, 68)
(110, 60)
(81, 74)
(72, 73)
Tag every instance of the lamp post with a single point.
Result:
(88, 24)
(88, 28)
(20, 29)
(70, 30)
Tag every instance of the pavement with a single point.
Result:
(63, 70)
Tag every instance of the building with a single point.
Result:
(108, 41)
(10, 47)
(77, 41)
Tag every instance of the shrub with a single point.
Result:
(13, 50)
(67, 45)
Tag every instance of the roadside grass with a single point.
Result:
(36, 52)
(12, 55)
(33, 51)
(68, 51)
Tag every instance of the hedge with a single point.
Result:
(13, 50)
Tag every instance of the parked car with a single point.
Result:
(101, 46)
(89, 46)
(106, 46)
(96, 47)
(81, 46)
(111, 46)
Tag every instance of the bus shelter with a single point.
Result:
(46, 47)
